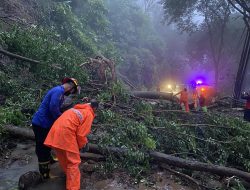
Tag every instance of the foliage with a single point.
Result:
(239, 186)
(130, 135)
(58, 59)
(66, 36)
(120, 92)
(145, 109)
(72, 29)
(135, 38)
(41, 44)
(10, 116)
(227, 144)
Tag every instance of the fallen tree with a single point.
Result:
(155, 156)
(18, 56)
(155, 95)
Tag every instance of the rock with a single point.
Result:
(214, 184)
(88, 168)
(29, 179)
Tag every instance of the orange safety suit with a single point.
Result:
(67, 135)
(184, 99)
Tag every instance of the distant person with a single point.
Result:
(195, 98)
(246, 96)
(68, 135)
(203, 102)
(43, 119)
(184, 99)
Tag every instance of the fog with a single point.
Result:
(175, 54)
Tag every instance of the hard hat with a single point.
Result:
(67, 79)
(74, 81)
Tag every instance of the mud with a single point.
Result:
(22, 159)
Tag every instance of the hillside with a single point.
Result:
(66, 38)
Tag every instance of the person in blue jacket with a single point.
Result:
(43, 119)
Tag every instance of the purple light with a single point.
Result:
(199, 82)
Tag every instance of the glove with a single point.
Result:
(85, 148)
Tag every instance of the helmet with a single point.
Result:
(67, 79)
(74, 81)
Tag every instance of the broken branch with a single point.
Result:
(18, 56)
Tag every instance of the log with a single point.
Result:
(198, 166)
(155, 95)
(21, 132)
(18, 56)
(157, 157)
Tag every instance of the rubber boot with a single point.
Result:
(44, 169)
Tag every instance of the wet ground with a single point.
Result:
(22, 159)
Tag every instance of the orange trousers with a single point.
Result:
(185, 104)
(69, 162)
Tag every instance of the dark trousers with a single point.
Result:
(42, 151)
(247, 114)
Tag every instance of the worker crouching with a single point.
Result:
(68, 135)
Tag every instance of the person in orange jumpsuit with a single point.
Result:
(184, 99)
(68, 135)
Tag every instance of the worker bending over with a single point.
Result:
(68, 135)
(43, 119)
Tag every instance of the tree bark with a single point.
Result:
(18, 56)
(198, 166)
(155, 95)
(155, 156)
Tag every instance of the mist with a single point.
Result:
(177, 54)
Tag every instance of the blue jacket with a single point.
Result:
(49, 110)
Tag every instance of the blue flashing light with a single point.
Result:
(199, 82)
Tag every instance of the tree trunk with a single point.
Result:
(198, 166)
(242, 66)
(18, 56)
(155, 95)
(155, 156)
